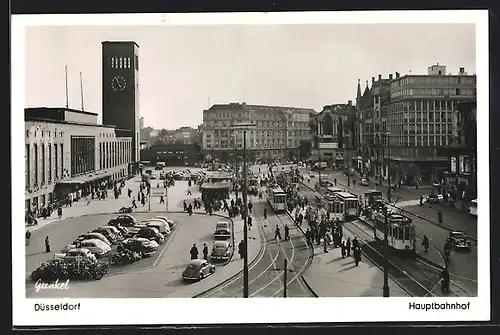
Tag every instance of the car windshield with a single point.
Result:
(74, 253)
(192, 267)
(458, 234)
(220, 247)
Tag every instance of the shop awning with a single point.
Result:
(84, 179)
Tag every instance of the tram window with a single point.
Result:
(394, 232)
(400, 233)
(412, 233)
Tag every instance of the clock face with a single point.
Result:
(118, 83)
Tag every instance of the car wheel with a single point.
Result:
(200, 277)
(212, 270)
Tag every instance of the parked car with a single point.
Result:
(222, 225)
(197, 269)
(97, 247)
(114, 230)
(125, 220)
(91, 236)
(151, 234)
(77, 254)
(146, 241)
(164, 218)
(160, 225)
(221, 251)
(363, 182)
(222, 233)
(459, 240)
(108, 234)
(140, 246)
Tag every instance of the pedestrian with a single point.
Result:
(59, 212)
(249, 222)
(162, 201)
(343, 250)
(190, 209)
(184, 204)
(28, 236)
(325, 244)
(194, 252)
(277, 233)
(143, 201)
(205, 252)
(287, 232)
(134, 205)
(250, 206)
(241, 249)
(47, 244)
(348, 246)
(308, 236)
(189, 192)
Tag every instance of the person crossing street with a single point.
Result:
(277, 233)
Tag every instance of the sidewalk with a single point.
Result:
(80, 208)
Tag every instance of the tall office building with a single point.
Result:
(120, 88)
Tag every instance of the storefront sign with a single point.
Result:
(333, 145)
(453, 164)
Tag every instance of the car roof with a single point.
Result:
(197, 262)
(79, 249)
(95, 240)
(221, 243)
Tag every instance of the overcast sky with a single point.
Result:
(183, 68)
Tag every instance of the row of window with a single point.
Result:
(418, 141)
(114, 153)
(56, 133)
(423, 105)
(271, 115)
(440, 80)
(48, 163)
(413, 152)
(257, 144)
(123, 62)
(468, 92)
(420, 116)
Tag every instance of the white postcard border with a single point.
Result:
(202, 311)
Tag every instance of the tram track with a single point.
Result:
(417, 276)
(266, 273)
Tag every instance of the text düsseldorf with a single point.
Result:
(56, 307)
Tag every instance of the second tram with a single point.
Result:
(277, 199)
(334, 206)
(400, 230)
(351, 205)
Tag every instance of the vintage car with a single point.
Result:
(434, 198)
(222, 225)
(459, 240)
(170, 223)
(107, 233)
(125, 220)
(197, 269)
(146, 241)
(140, 246)
(97, 247)
(77, 254)
(222, 233)
(160, 225)
(221, 251)
(91, 236)
(151, 234)
(363, 182)
(113, 230)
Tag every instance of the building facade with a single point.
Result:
(371, 127)
(171, 154)
(277, 132)
(334, 135)
(420, 120)
(120, 89)
(65, 146)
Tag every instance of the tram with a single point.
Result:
(334, 206)
(400, 230)
(277, 199)
(351, 205)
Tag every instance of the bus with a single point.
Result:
(277, 199)
(351, 205)
(473, 207)
(333, 206)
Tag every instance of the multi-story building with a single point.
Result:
(371, 128)
(420, 120)
(334, 135)
(277, 132)
(462, 152)
(172, 154)
(66, 151)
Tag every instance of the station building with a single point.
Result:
(66, 150)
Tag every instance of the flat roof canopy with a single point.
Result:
(216, 186)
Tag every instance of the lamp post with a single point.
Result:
(319, 159)
(386, 152)
(245, 127)
(385, 289)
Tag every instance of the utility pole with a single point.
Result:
(285, 270)
(386, 257)
(388, 167)
(245, 127)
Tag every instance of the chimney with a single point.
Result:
(373, 80)
(349, 102)
(461, 70)
(379, 76)
(397, 74)
(390, 76)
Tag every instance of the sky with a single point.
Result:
(186, 69)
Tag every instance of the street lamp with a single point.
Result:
(386, 154)
(385, 289)
(245, 127)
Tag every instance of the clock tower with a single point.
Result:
(120, 89)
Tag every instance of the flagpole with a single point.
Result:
(66, 77)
